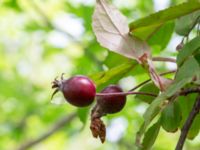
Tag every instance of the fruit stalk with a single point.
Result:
(125, 93)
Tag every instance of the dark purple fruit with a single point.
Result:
(112, 103)
(78, 90)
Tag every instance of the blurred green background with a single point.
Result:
(39, 40)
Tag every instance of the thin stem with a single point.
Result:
(188, 123)
(187, 91)
(146, 81)
(139, 85)
(125, 93)
(168, 72)
(164, 59)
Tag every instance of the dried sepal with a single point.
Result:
(98, 129)
(97, 126)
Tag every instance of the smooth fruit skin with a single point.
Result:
(79, 91)
(112, 104)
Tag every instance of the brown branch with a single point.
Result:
(61, 123)
(186, 91)
(164, 59)
(188, 123)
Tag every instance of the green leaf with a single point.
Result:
(149, 115)
(112, 58)
(149, 88)
(104, 76)
(171, 117)
(183, 77)
(194, 129)
(186, 23)
(162, 37)
(150, 136)
(83, 114)
(186, 103)
(189, 69)
(188, 50)
(146, 26)
(197, 56)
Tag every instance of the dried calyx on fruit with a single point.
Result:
(106, 104)
(78, 90)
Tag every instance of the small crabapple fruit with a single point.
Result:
(78, 90)
(111, 103)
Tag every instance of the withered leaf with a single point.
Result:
(111, 29)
